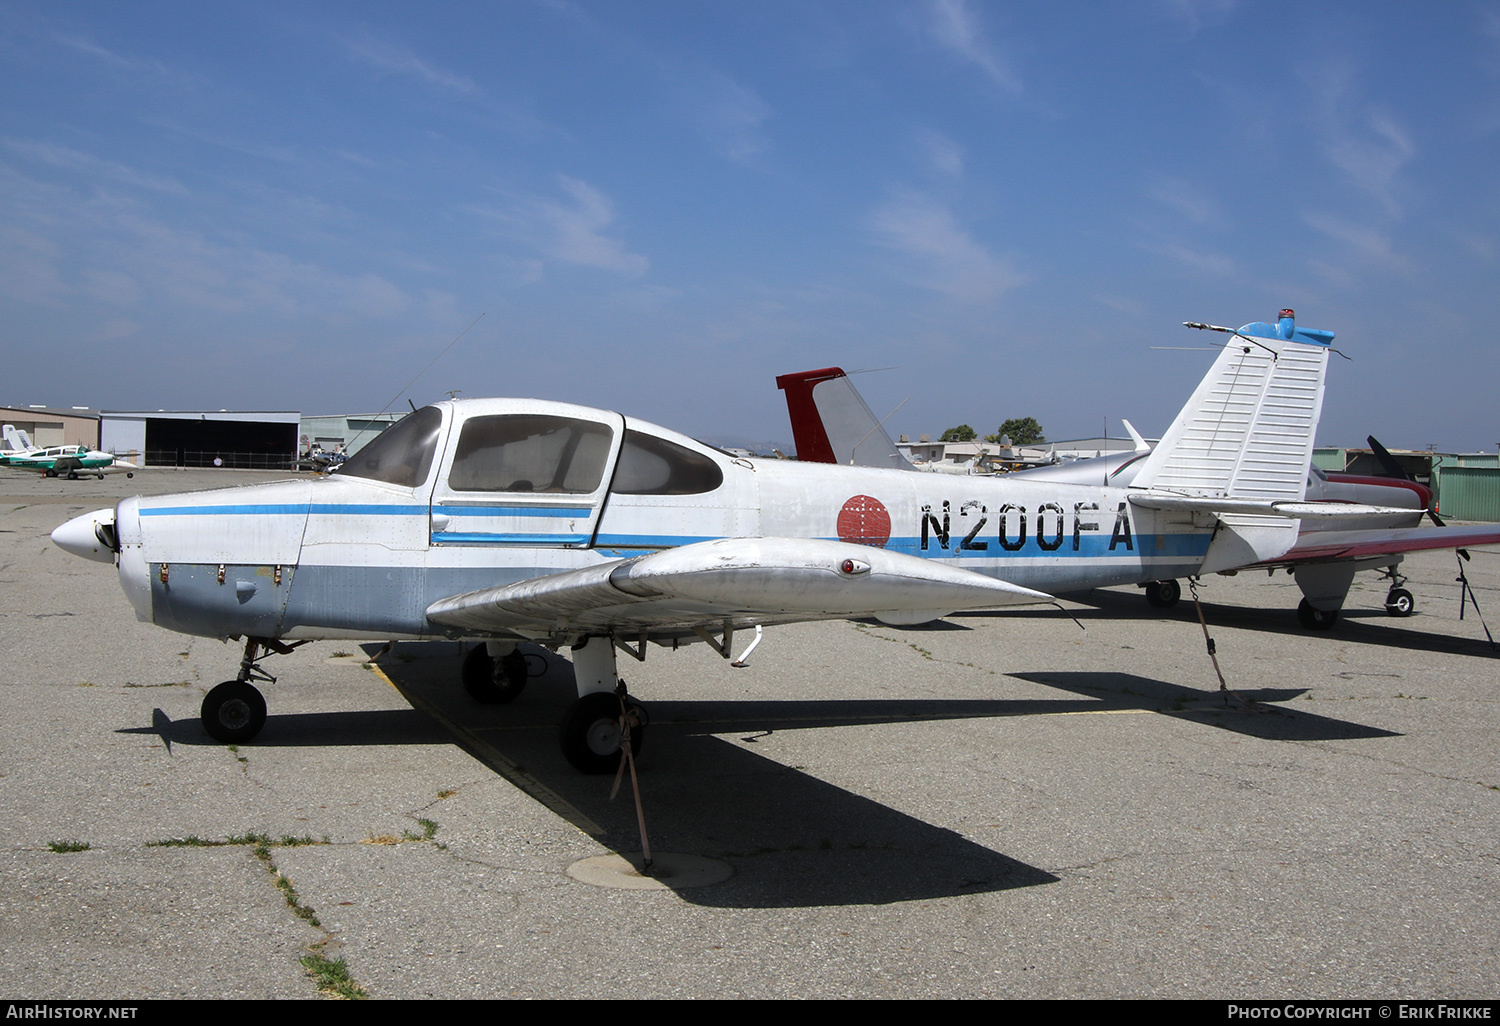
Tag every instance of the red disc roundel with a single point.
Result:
(864, 521)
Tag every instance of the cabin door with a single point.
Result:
(526, 479)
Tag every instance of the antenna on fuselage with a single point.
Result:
(419, 373)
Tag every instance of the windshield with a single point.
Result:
(402, 455)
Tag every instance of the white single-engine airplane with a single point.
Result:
(831, 423)
(510, 520)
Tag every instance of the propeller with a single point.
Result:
(1393, 469)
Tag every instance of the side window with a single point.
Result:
(530, 453)
(402, 454)
(655, 466)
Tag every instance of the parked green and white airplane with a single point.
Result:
(61, 460)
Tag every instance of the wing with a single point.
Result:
(739, 581)
(1327, 546)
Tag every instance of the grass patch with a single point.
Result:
(332, 977)
(62, 846)
(429, 831)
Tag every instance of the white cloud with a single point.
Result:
(1373, 158)
(1193, 14)
(943, 154)
(1370, 147)
(945, 256)
(570, 230)
(956, 26)
(1369, 245)
(75, 160)
(1210, 263)
(397, 59)
(1188, 201)
(729, 116)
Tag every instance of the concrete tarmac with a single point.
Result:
(996, 805)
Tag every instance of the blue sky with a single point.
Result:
(659, 206)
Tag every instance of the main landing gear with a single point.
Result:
(604, 719)
(235, 710)
(594, 731)
(597, 726)
(1315, 619)
(1163, 594)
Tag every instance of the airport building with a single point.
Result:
(48, 426)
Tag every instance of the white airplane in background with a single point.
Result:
(832, 423)
(518, 520)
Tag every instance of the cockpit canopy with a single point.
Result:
(533, 452)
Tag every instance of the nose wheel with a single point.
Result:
(234, 712)
(491, 681)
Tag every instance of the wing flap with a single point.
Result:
(743, 580)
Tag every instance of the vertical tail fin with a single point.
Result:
(831, 422)
(1247, 432)
(17, 439)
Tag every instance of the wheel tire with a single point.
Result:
(1163, 594)
(233, 712)
(1315, 619)
(51, 473)
(1400, 603)
(479, 677)
(590, 733)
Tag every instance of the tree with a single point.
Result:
(1022, 431)
(962, 433)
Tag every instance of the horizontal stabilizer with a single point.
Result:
(1292, 510)
(744, 581)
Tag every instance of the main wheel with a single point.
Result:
(1163, 594)
(491, 682)
(591, 732)
(1399, 602)
(233, 712)
(1315, 619)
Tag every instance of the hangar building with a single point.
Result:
(253, 440)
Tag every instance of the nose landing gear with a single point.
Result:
(235, 710)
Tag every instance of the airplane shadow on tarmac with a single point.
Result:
(795, 840)
(1365, 626)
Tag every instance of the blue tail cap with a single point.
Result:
(1286, 328)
